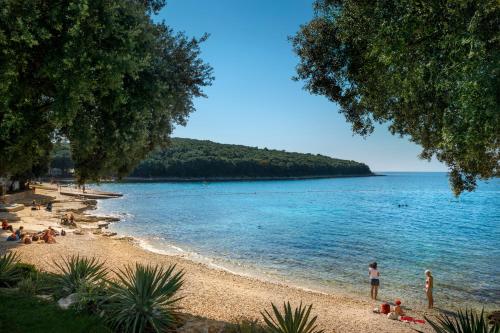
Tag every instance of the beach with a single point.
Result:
(212, 294)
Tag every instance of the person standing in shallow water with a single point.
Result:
(429, 284)
(374, 275)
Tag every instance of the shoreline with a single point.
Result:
(215, 179)
(211, 293)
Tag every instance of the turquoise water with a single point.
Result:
(321, 234)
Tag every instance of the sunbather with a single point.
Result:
(12, 237)
(20, 232)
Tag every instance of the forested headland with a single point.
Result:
(190, 158)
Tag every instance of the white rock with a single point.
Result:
(65, 302)
(44, 297)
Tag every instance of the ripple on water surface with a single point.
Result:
(322, 234)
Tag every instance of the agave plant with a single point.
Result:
(143, 299)
(28, 286)
(293, 321)
(468, 322)
(9, 274)
(77, 272)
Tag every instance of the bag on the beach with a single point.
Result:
(385, 308)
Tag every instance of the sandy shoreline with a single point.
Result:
(210, 293)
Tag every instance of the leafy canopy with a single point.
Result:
(430, 69)
(101, 74)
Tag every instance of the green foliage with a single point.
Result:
(202, 158)
(468, 322)
(77, 273)
(9, 274)
(28, 286)
(292, 321)
(21, 314)
(144, 299)
(101, 74)
(430, 69)
(26, 270)
(244, 326)
(61, 157)
(90, 298)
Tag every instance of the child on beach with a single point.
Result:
(429, 284)
(374, 275)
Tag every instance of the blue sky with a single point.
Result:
(253, 100)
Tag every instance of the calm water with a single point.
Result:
(321, 234)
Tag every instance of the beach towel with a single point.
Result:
(411, 320)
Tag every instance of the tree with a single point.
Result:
(101, 74)
(430, 69)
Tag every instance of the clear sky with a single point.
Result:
(253, 100)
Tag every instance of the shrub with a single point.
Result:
(293, 321)
(9, 275)
(28, 286)
(77, 272)
(463, 322)
(143, 299)
(90, 298)
(26, 270)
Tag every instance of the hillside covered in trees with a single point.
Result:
(189, 158)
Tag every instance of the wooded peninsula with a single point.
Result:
(203, 159)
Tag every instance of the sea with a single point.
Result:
(321, 234)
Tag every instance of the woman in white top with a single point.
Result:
(374, 279)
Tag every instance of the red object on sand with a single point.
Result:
(412, 320)
(385, 308)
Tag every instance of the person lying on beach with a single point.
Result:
(27, 239)
(48, 236)
(12, 237)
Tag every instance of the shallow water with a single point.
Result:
(321, 234)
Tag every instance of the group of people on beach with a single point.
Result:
(47, 235)
(374, 275)
(37, 206)
(68, 219)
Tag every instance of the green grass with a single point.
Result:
(20, 314)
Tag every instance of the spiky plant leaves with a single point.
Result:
(292, 321)
(76, 272)
(27, 286)
(9, 275)
(463, 322)
(144, 299)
